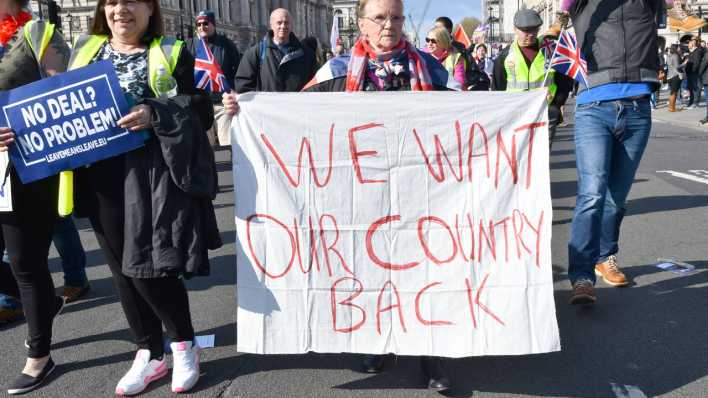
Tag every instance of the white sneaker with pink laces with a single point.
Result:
(185, 367)
(143, 372)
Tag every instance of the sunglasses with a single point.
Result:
(429, 40)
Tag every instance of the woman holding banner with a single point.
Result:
(29, 51)
(388, 62)
(151, 208)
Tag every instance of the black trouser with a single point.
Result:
(693, 90)
(554, 119)
(27, 232)
(148, 303)
(8, 284)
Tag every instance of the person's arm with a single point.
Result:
(247, 74)
(235, 57)
(499, 74)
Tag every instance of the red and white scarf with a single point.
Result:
(9, 26)
(361, 53)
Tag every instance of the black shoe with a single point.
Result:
(26, 383)
(373, 363)
(435, 373)
(703, 121)
(59, 306)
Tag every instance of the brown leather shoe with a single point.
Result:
(610, 273)
(73, 293)
(583, 293)
(9, 315)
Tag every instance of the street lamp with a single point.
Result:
(490, 21)
(71, 25)
(351, 32)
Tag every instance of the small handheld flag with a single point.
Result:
(334, 34)
(568, 59)
(207, 72)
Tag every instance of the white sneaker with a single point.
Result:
(185, 366)
(143, 372)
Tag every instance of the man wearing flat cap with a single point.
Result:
(521, 66)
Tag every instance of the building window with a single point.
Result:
(340, 19)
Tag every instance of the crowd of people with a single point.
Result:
(151, 208)
(684, 69)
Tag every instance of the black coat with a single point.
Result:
(703, 69)
(693, 66)
(225, 53)
(164, 188)
(265, 68)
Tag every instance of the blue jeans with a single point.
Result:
(73, 258)
(610, 138)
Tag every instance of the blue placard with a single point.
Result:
(66, 121)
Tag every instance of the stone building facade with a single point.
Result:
(345, 11)
(244, 21)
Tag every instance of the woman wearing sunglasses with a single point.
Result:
(439, 45)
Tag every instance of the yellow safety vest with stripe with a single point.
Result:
(520, 77)
(163, 51)
(38, 34)
(449, 64)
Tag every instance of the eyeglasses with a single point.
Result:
(429, 40)
(381, 20)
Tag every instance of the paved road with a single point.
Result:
(648, 338)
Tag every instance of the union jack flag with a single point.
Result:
(567, 58)
(207, 72)
(548, 46)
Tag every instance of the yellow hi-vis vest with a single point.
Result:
(163, 51)
(38, 34)
(520, 77)
(449, 64)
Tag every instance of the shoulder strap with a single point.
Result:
(262, 52)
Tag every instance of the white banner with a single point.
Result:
(411, 223)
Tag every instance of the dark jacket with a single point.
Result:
(693, 66)
(265, 68)
(703, 69)
(564, 84)
(163, 189)
(618, 39)
(225, 53)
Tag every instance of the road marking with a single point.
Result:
(627, 391)
(685, 176)
(703, 173)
